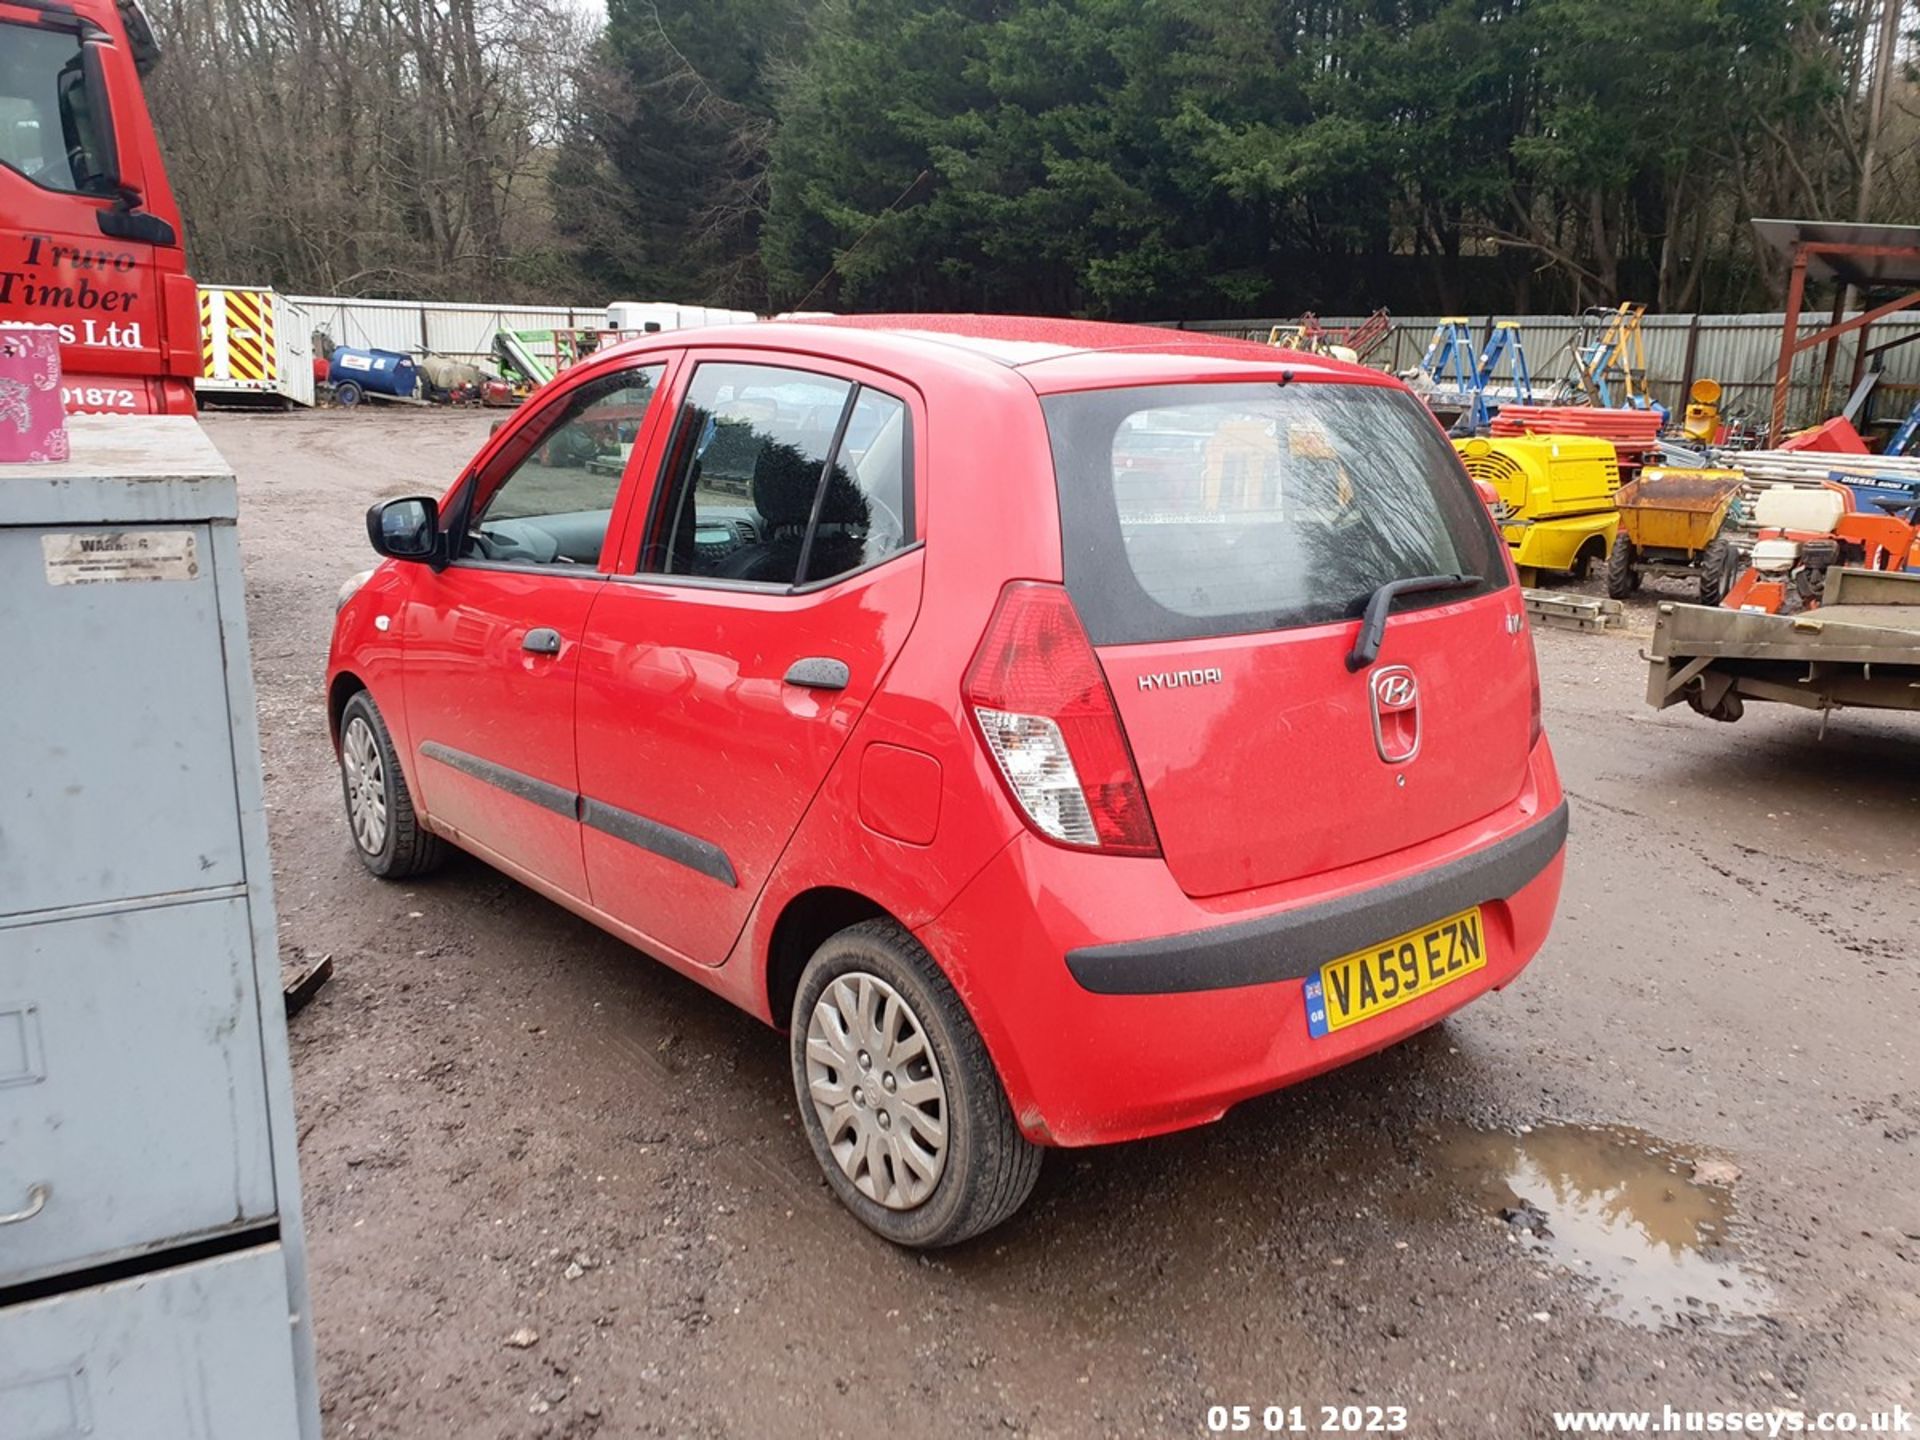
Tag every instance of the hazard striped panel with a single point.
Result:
(251, 353)
(206, 334)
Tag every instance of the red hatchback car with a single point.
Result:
(1066, 730)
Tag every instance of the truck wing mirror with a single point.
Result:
(125, 220)
(87, 114)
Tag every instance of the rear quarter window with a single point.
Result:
(1196, 510)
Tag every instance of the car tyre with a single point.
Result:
(387, 833)
(873, 1010)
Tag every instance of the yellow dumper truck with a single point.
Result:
(1555, 501)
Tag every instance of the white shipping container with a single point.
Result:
(254, 342)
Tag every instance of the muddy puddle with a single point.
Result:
(1620, 1208)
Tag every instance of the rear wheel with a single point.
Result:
(1622, 580)
(387, 834)
(348, 393)
(1582, 566)
(898, 1095)
(1719, 566)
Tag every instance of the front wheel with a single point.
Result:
(1621, 579)
(387, 834)
(1719, 568)
(900, 1100)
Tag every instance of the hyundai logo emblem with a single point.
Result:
(1395, 698)
(1394, 689)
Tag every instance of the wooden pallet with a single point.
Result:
(1574, 612)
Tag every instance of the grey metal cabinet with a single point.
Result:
(188, 1351)
(152, 1268)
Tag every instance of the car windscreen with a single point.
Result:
(1196, 510)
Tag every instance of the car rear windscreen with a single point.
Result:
(1195, 510)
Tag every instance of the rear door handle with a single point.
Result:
(817, 672)
(542, 641)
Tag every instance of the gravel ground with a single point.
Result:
(512, 1123)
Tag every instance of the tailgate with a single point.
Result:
(1272, 770)
(1221, 541)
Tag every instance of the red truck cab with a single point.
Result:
(90, 238)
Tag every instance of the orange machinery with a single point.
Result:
(1802, 532)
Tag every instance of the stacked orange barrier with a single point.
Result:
(1628, 429)
(1635, 433)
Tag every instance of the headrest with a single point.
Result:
(784, 481)
(845, 503)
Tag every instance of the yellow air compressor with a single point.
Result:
(1555, 494)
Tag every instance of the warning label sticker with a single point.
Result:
(102, 557)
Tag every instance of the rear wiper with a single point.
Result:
(1373, 629)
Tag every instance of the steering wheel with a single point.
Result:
(530, 544)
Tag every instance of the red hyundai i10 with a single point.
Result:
(1065, 730)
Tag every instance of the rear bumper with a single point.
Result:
(1100, 1040)
(1294, 944)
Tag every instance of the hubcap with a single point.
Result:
(877, 1090)
(366, 786)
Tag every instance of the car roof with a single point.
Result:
(1060, 353)
(1050, 354)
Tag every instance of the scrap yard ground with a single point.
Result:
(554, 1189)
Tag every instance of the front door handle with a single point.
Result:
(542, 641)
(817, 672)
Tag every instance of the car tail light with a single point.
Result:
(1037, 693)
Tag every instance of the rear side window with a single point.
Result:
(1195, 510)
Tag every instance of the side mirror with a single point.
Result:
(407, 529)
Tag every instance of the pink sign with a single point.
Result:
(33, 424)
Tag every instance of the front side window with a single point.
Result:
(561, 478)
(1195, 510)
(48, 132)
(781, 477)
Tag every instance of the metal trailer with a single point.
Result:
(256, 347)
(1860, 647)
(152, 1268)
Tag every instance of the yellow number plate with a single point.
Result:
(1373, 981)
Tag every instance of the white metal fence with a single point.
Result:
(461, 332)
(1740, 351)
